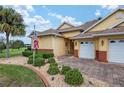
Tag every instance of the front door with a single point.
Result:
(71, 47)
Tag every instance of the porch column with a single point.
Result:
(101, 51)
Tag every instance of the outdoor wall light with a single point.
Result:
(102, 42)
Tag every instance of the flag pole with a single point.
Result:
(34, 48)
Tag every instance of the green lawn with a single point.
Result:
(18, 76)
(13, 52)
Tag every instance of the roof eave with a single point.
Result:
(97, 35)
(50, 34)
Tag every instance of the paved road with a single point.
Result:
(110, 73)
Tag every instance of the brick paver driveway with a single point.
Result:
(110, 73)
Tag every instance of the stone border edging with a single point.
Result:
(41, 76)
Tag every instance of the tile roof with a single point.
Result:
(82, 27)
(113, 31)
(88, 24)
(49, 32)
(57, 32)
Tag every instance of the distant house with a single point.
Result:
(102, 40)
(2, 39)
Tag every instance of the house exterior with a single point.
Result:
(102, 40)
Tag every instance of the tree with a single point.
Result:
(11, 23)
(17, 44)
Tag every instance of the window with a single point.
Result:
(112, 41)
(82, 42)
(86, 42)
(91, 42)
(121, 41)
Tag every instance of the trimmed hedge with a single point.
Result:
(39, 62)
(74, 77)
(51, 60)
(65, 69)
(53, 69)
(48, 55)
(27, 53)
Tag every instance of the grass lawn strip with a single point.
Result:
(20, 76)
(13, 52)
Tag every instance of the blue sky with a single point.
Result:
(45, 17)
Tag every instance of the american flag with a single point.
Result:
(35, 40)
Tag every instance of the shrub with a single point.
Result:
(28, 47)
(36, 56)
(53, 69)
(51, 60)
(30, 61)
(39, 62)
(27, 53)
(48, 55)
(65, 69)
(74, 77)
(53, 64)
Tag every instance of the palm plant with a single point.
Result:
(11, 23)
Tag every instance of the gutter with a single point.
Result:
(116, 33)
(96, 35)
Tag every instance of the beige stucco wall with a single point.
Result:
(71, 33)
(59, 46)
(103, 47)
(65, 26)
(45, 42)
(107, 22)
(53, 42)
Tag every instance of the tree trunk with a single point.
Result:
(7, 45)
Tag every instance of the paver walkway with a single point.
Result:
(14, 60)
(110, 73)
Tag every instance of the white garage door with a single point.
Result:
(87, 50)
(116, 51)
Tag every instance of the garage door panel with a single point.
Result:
(87, 50)
(116, 51)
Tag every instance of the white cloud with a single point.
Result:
(22, 9)
(30, 8)
(68, 19)
(40, 23)
(44, 6)
(98, 13)
(110, 7)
